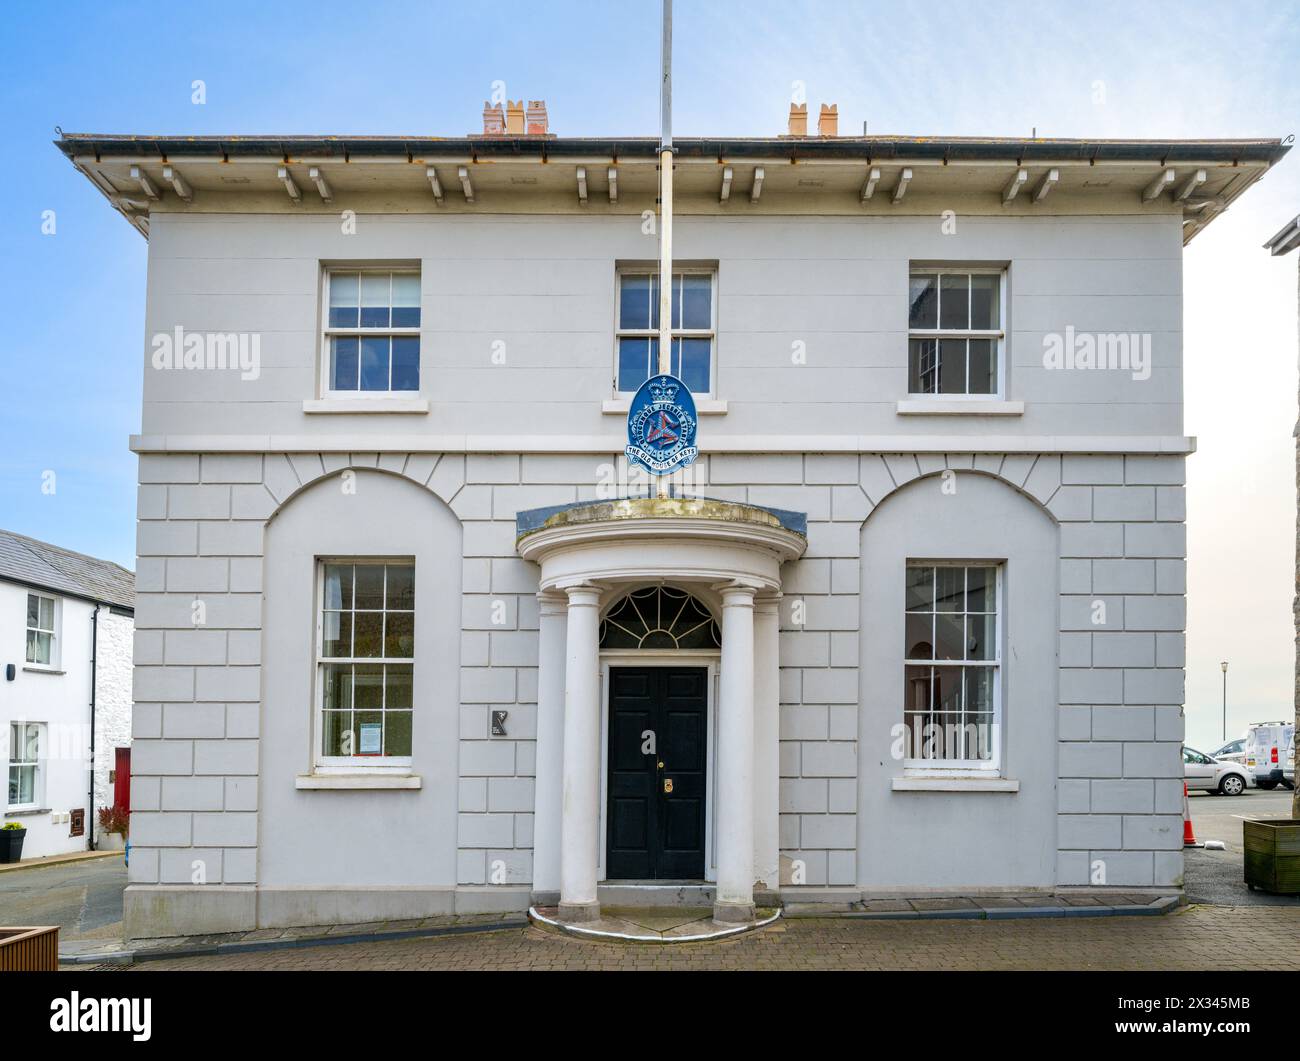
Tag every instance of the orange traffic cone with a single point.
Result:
(1189, 836)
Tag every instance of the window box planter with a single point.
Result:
(29, 950)
(11, 844)
(1272, 855)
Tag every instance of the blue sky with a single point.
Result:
(76, 298)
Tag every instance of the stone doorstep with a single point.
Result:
(86, 952)
(679, 894)
(655, 924)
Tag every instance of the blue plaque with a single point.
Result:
(661, 426)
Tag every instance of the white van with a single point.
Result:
(1267, 745)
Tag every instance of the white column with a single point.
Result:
(767, 738)
(735, 815)
(580, 822)
(549, 786)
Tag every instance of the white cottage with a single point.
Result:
(413, 640)
(66, 622)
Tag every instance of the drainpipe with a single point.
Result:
(94, 657)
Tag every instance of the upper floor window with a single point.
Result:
(693, 328)
(366, 639)
(41, 647)
(372, 330)
(24, 764)
(955, 331)
(952, 708)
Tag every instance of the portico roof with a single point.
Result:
(580, 512)
(695, 540)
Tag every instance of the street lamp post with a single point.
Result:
(1224, 667)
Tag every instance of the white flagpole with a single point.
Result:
(666, 205)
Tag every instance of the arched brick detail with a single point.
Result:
(1037, 477)
(286, 475)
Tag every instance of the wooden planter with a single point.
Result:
(1273, 854)
(29, 950)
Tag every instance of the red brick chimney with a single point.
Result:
(536, 120)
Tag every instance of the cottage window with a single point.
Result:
(372, 331)
(24, 764)
(40, 630)
(365, 661)
(955, 332)
(637, 332)
(952, 711)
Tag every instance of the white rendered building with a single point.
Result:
(413, 640)
(66, 624)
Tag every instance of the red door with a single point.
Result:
(122, 778)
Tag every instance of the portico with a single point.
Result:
(714, 623)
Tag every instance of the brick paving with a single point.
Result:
(1199, 937)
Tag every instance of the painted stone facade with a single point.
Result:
(113, 703)
(1113, 774)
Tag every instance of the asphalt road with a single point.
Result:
(83, 898)
(1216, 877)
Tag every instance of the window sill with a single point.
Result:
(356, 781)
(948, 783)
(703, 406)
(25, 812)
(36, 668)
(951, 407)
(366, 405)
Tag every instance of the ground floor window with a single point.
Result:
(952, 700)
(24, 764)
(365, 654)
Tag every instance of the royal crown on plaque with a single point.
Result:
(663, 389)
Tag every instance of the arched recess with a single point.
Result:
(344, 838)
(960, 839)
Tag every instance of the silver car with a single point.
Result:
(1203, 773)
(1232, 752)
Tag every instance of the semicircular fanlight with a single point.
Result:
(658, 617)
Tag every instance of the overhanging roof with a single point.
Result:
(1286, 239)
(864, 148)
(814, 174)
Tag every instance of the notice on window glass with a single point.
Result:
(371, 736)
